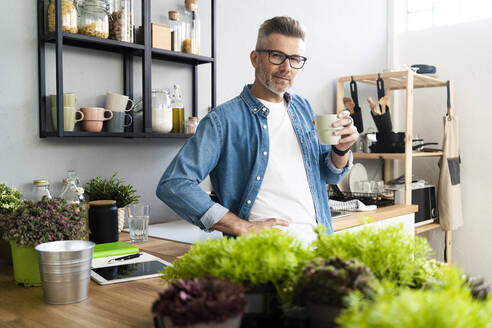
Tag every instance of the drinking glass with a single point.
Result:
(138, 221)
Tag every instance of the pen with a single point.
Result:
(127, 257)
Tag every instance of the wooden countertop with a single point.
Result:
(357, 218)
(119, 305)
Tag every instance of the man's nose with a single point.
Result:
(285, 66)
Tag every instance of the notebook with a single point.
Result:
(113, 249)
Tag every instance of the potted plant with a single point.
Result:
(265, 263)
(112, 189)
(410, 308)
(9, 202)
(323, 286)
(35, 223)
(200, 302)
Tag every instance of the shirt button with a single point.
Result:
(258, 178)
(265, 153)
(249, 202)
(263, 109)
(264, 126)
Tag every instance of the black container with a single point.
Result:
(103, 221)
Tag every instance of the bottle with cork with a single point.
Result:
(177, 30)
(178, 112)
(191, 41)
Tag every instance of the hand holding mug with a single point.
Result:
(346, 129)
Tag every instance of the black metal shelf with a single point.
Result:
(120, 134)
(128, 51)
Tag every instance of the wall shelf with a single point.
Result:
(426, 227)
(128, 51)
(396, 155)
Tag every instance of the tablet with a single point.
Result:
(128, 271)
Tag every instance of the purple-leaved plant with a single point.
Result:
(48, 220)
(200, 300)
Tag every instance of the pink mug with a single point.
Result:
(96, 114)
(92, 125)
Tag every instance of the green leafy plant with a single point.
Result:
(269, 256)
(390, 253)
(200, 300)
(9, 199)
(47, 220)
(113, 188)
(409, 308)
(329, 282)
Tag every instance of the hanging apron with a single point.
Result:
(449, 189)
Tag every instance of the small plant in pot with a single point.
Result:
(323, 286)
(200, 302)
(9, 202)
(113, 188)
(35, 223)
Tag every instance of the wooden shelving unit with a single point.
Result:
(128, 52)
(408, 81)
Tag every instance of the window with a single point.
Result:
(428, 13)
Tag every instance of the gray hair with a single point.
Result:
(282, 25)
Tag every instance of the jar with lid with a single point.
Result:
(191, 124)
(94, 18)
(177, 29)
(121, 23)
(71, 192)
(69, 16)
(40, 189)
(162, 114)
(178, 112)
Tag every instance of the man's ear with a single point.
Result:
(253, 56)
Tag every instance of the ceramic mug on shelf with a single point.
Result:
(117, 123)
(69, 118)
(118, 103)
(94, 118)
(69, 100)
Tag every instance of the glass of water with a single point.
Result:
(138, 221)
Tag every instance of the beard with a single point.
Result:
(268, 81)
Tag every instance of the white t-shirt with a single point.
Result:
(284, 192)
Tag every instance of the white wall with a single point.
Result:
(462, 54)
(341, 41)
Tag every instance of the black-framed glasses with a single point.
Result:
(277, 57)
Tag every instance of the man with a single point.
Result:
(261, 150)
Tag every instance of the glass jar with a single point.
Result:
(94, 18)
(195, 33)
(71, 192)
(178, 112)
(177, 29)
(121, 23)
(69, 17)
(40, 189)
(162, 114)
(191, 125)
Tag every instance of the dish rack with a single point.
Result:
(385, 198)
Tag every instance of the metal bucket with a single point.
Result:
(65, 268)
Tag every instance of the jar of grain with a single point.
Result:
(69, 16)
(94, 18)
(121, 24)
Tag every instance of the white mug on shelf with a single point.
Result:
(118, 103)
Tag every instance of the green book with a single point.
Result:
(113, 249)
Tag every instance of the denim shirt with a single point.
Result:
(231, 145)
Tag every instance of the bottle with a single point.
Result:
(191, 125)
(121, 20)
(195, 33)
(188, 34)
(178, 112)
(40, 189)
(176, 30)
(71, 192)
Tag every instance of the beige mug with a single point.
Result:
(118, 103)
(96, 114)
(69, 117)
(69, 100)
(325, 129)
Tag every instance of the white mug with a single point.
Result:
(118, 103)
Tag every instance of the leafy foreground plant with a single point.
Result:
(329, 282)
(200, 300)
(270, 256)
(44, 221)
(113, 188)
(9, 199)
(391, 254)
(453, 308)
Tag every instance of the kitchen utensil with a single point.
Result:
(69, 117)
(118, 103)
(357, 173)
(69, 100)
(380, 111)
(117, 123)
(96, 114)
(356, 114)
